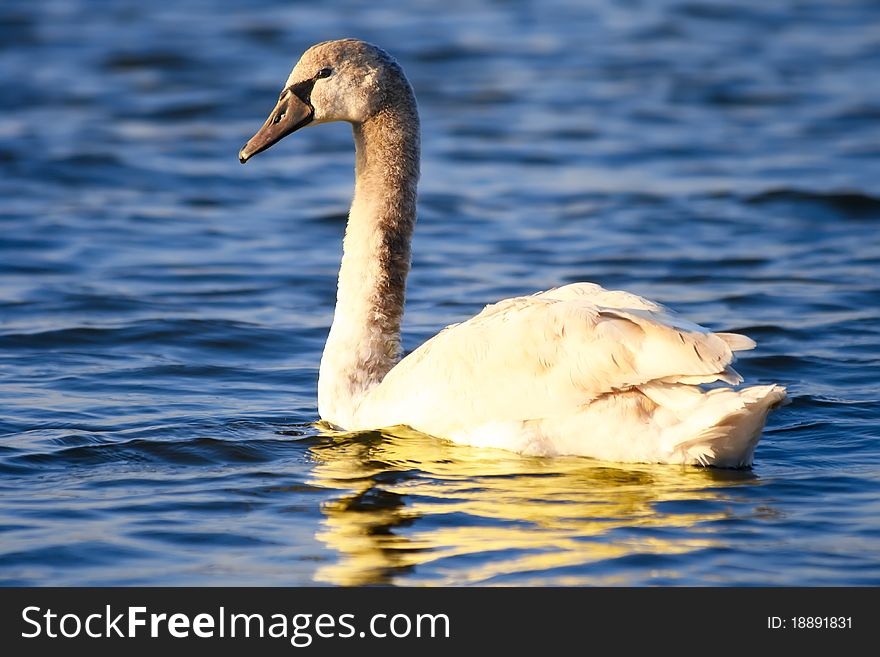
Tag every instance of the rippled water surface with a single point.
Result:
(163, 309)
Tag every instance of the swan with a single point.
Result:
(575, 370)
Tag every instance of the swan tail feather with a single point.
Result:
(737, 342)
(723, 427)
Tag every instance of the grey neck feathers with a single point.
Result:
(364, 341)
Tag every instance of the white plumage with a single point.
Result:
(576, 370)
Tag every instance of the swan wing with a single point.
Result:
(546, 355)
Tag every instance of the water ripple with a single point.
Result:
(163, 310)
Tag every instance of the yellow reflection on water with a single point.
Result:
(420, 510)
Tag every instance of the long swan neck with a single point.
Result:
(364, 341)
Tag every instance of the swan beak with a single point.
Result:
(289, 115)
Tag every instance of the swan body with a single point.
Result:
(576, 370)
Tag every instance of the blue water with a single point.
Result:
(163, 309)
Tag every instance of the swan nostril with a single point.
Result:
(278, 117)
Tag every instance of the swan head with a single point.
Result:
(345, 80)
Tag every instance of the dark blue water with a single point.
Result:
(163, 309)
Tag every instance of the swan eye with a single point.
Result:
(325, 72)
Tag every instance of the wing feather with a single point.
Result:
(544, 355)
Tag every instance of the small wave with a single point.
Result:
(206, 333)
(197, 451)
(89, 160)
(210, 539)
(186, 110)
(155, 60)
(91, 553)
(17, 30)
(851, 203)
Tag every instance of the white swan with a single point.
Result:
(577, 370)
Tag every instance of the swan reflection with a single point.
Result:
(431, 512)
